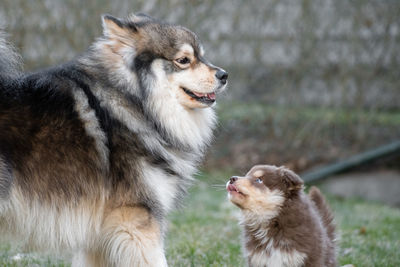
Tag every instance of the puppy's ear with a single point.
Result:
(115, 27)
(291, 179)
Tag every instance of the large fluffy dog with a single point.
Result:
(94, 153)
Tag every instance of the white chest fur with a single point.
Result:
(164, 186)
(276, 257)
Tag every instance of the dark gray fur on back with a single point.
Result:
(42, 137)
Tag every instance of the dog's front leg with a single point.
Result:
(84, 258)
(130, 236)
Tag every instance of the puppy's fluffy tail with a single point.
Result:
(324, 210)
(9, 59)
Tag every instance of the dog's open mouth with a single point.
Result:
(231, 188)
(203, 98)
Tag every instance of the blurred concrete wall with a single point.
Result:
(336, 53)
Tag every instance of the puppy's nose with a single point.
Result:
(222, 76)
(233, 179)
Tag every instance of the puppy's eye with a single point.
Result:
(183, 60)
(259, 181)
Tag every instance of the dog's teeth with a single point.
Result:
(199, 94)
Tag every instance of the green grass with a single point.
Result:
(11, 258)
(257, 112)
(205, 231)
(370, 233)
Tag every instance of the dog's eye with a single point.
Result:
(259, 181)
(183, 60)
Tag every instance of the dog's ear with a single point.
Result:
(113, 26)
(291, 179)
(140, 18)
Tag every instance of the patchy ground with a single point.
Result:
(300, 138)
(382, 186)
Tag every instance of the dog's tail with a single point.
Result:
(324, 210)
(10, 65)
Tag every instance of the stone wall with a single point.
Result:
(335, 53)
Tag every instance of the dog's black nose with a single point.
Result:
(233, 179)
(222, 76)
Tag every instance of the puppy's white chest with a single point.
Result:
(277, 258)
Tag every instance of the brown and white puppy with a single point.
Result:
(282, 225)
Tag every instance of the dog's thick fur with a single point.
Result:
(283, 227)
(95, 152)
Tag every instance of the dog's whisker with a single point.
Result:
(219, 189)
(218, 186)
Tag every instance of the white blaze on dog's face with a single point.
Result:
(195, 81)
(263, 189)
(171, 54)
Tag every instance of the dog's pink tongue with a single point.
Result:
(211, 96)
